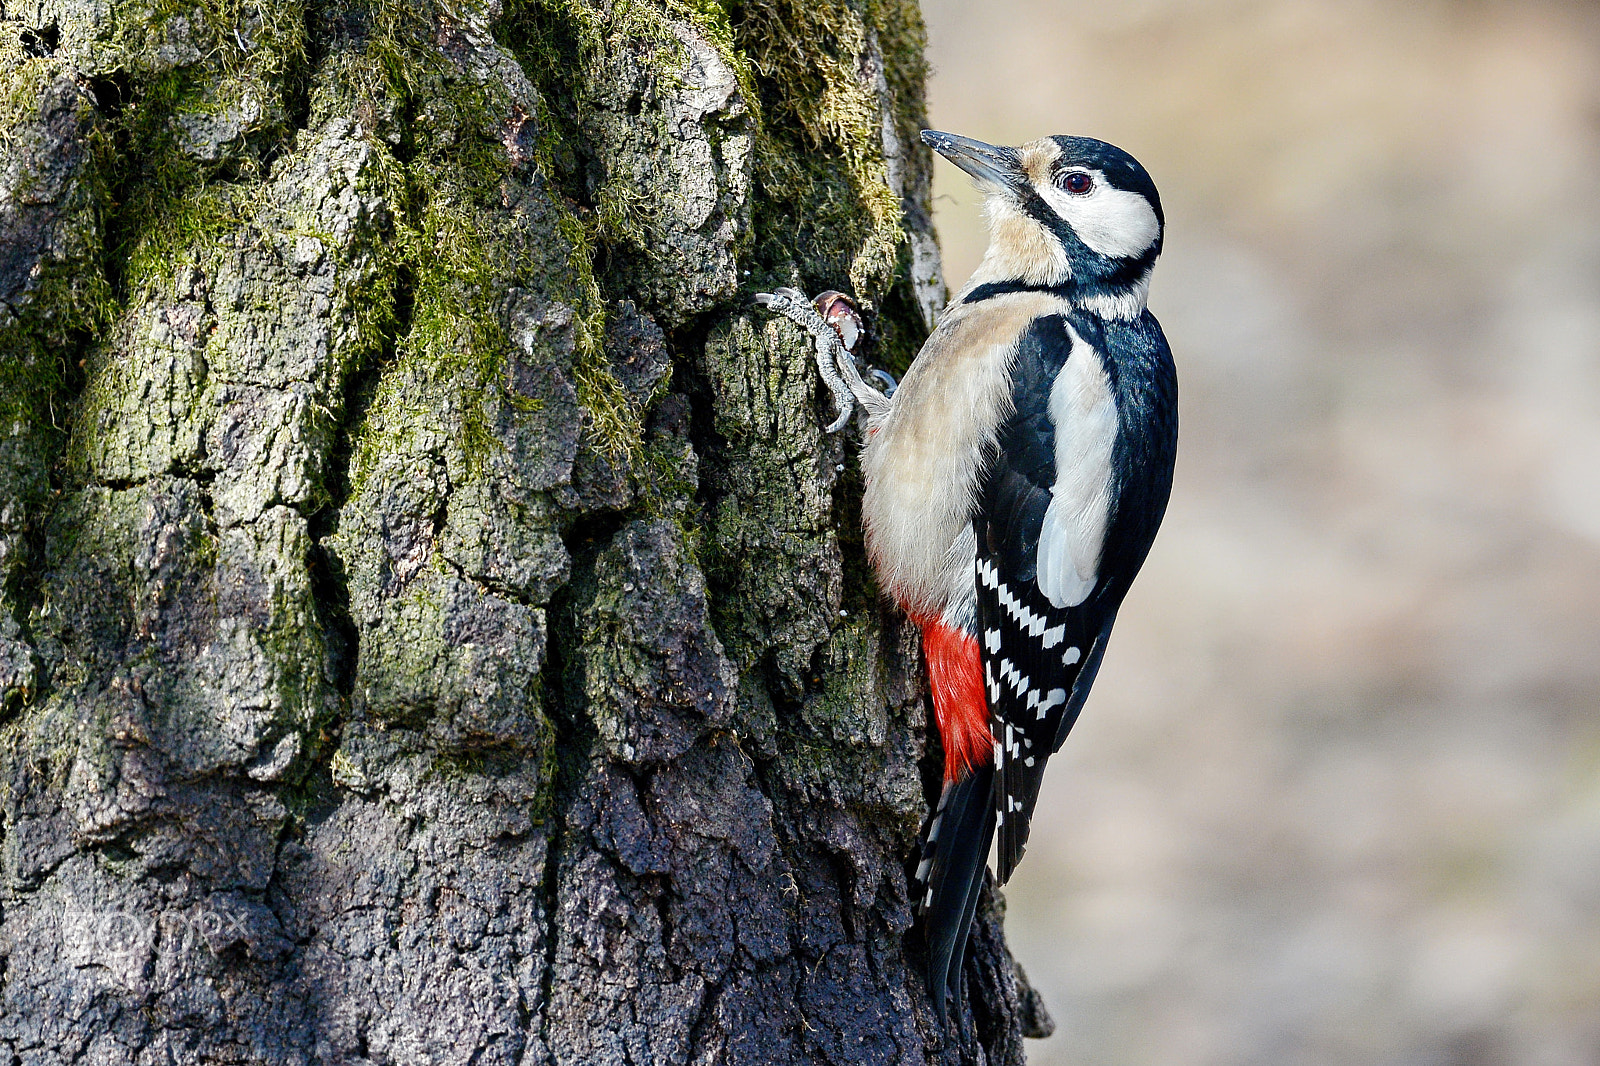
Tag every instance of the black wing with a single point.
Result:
(1039, 660)
(1038, 664)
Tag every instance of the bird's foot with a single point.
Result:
(835, 328)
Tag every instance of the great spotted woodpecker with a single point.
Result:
(1014, 483)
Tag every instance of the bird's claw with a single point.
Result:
(834, 326)
(885, 379)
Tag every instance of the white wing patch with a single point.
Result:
(1074, 531)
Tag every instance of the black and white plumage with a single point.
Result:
(1014, 484)
(1041, 635)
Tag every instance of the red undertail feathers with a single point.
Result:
(955, 672)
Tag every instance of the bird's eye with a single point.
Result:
(1077, 183)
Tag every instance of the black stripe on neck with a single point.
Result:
(990, 289)
(1074, 292)
(1090, 269)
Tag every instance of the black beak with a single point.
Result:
(986, 162)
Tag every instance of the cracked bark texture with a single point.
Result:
(433, 628)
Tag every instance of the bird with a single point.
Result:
(1014, 483)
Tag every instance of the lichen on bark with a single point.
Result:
(433, 625)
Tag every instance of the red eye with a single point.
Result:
(1077, 183)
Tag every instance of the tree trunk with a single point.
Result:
(433, 626)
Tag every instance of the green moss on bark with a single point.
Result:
(51, 176)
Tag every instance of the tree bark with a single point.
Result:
(433, 627)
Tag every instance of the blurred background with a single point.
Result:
(1336, 797)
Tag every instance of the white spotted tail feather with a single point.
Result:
(949, 878)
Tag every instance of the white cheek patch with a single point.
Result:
(1113, 222)
(1074, 530)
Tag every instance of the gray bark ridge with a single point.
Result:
(433, 626)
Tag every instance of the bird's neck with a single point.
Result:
(1123, 302)
(1019, 249)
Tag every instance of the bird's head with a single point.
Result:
(1069, 212)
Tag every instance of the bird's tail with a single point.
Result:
(954, 853)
